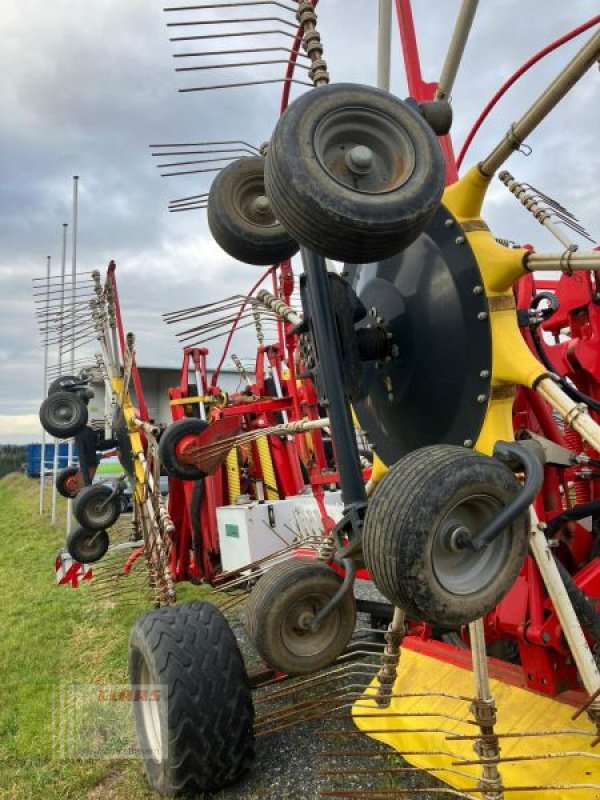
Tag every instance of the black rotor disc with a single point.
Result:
(430, 297)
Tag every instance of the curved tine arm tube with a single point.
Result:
(575, 414)
(456, 48)
(566, 261)
(549, 99)
(571, 628)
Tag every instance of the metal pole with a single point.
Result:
(566, 261)
(73, 308)
(45, 384)
(61, 324)
(563, 83)
(384, 45)
(456, 48)
(331, 378)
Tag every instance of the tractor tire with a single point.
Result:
(240, 216)
(86, 546)
(167, 448)
(63, 414)
(409, 527)
(69, 482)
(283, 602)
(62, 383)
(198, 737)
(353, 173)
(93, 510)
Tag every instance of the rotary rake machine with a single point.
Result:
(434, 338)
(95, 316)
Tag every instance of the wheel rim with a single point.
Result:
(99, 512)
(460, 570)
(364, 150)
(150, 716)
(296, 635)
(73, 484)
(63, 412)
(250, 202)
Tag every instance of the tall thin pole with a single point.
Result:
(61, 325)
(73, 283)
(45, 385)
(384, 45)
(456, 48)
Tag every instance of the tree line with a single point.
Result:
(12, 458)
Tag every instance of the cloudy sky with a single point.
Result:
(88, 85)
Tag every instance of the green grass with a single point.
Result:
(50, 636)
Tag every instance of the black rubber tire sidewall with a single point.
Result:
(101, 545)
(61, 480)
(91, 494)
(188, 426)
(331, 219)
(237, 236)
(209, 734)
(401, 520)
(274, 593)
(65, 431)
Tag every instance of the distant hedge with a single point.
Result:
(12, 458)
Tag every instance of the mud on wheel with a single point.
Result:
(281, 608)
(198, 735)
(410, 542)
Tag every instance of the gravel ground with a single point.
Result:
(288, 762)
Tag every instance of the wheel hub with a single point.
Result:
(364, 150)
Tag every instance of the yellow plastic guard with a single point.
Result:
(519, 711)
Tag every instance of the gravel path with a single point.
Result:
(288, 762)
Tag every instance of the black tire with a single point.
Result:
(93, 510)
(281, 604)
(66, 485)
(63, 414)
(350, 213)
(241, 219)
(60, 384)
(174, 433)
(87, 546)
(206, 722)
(407, 541)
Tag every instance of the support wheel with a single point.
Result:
(86, 546)
(63, 414)
(240, 216)
(69, 482)
(169, 445)
(281, 607)
(196, 733)
(95, 509)
(353, 173)
(409, 535)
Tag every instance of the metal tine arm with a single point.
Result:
(240, 4)
(170, 314)
(197, 161)
(240, 21)
(202, 53)
(232, 34)
(209, 144)
(196, 207)
(241, 84)
(191, 199)
(239, 64)
(193, 314)
(212, 151)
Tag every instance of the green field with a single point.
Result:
(52, 636)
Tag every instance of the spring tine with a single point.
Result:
(232, 34)
(201, 53)
(236, 151)
(241, 84)
(189, 172)
(208, 144)
(238, 64)
(235, 21)
(195, 161)
(238, 4)
(198, 207)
